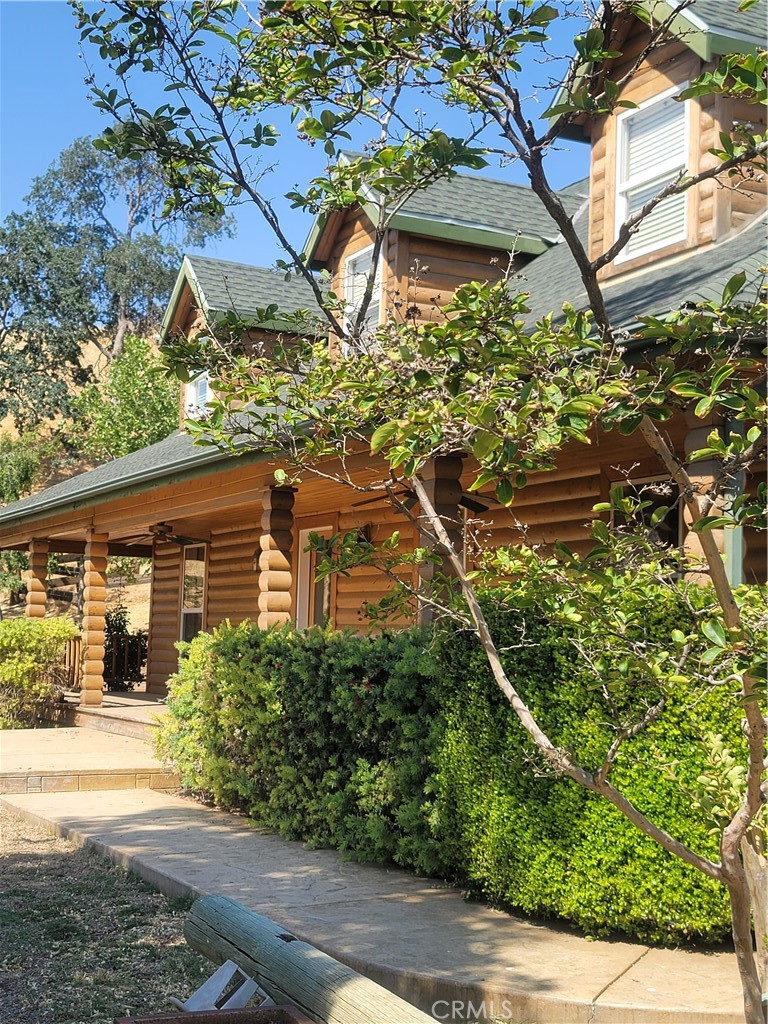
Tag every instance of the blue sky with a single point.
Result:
(44, 106)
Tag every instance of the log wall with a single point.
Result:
(233, 578)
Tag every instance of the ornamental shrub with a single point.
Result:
(399, 747)
(323, 736)
(31, 668)
(527, 840)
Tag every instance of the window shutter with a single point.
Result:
(653, 151)
(655, 138)
(666, 222)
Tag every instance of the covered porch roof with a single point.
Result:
(126, 497)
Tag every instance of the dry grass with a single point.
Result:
(80, 939)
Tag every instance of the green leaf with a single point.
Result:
(714, 632)
(504, 491)
(383, 434)
(710, 523)
(734, 286)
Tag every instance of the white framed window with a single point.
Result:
(192, 590)
(313, 597)
(651, 150)
(357, 270)
(197, 395)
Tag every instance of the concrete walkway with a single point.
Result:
(70, 760)
(414, 936)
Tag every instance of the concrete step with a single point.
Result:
(78, 760)
(108, 720)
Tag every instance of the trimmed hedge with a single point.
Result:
(323, 736)
(547, 846)
(399, 747)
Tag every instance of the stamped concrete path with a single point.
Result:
(414, 936)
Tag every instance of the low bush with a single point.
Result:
(323, 736)
(31, 675)
(399, 747)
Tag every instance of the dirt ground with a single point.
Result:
(82, 940)
(135, 597)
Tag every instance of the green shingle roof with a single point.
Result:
(471, 209)
(500, 205)
(226, 286)
(221, 286)
(176, 455)
(724, 18)
(553, 278)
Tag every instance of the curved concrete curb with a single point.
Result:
(455, 960)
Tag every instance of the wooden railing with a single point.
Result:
(124, 661)
(73, 653)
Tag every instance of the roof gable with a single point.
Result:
(466, 208)
(712, 28)
(219, 287)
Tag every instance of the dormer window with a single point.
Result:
(357, 270)
(652, 150)
(198, 393)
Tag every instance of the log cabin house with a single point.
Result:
(226, 543)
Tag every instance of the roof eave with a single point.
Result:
(471, 234)
(705, 41)
(137, 482)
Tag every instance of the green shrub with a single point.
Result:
(31, 678)
(321, 735)
(399, 747)
(544, 845)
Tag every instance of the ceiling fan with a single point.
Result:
(164, 531)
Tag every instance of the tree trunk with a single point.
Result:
(756, 870)
(741, 928)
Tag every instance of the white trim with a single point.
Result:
(197, 393)
(304, 583)
(376, 300)
(183, 609)
(665, 170)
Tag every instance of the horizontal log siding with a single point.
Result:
(671, 64)
(368, 584)
(356, 233)
(742, 198)
(430, 270)
(233, 582)
(163, 616)
(715, 208)
(557, 506)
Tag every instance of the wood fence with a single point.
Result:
(124, 661)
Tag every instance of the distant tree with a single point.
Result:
(134, 405)
(90, 260)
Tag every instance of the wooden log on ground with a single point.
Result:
(290, 970)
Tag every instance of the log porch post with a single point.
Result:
(37, 591)
(276, 557)
(442, 482)
(94, 609)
